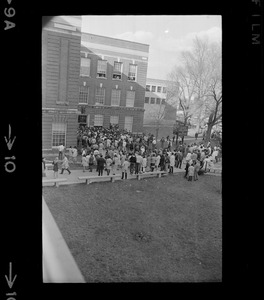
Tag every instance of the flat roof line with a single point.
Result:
(87, 33)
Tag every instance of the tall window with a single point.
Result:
(147, 88)
(117, 73)
(85, 66)
(101, 68)
(164, 90)
(132, 72)
(114, 120)
(158, 101)
(98, 120)
(153, 88)
(159, 89)
(115, 97)
(152, 100)
(163, 101)
(130, 98)
(128, 123)
(146, 99)
(99, 95)
(83, 94)
(58, 134)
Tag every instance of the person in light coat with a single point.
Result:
(65, 165)
(172, 162)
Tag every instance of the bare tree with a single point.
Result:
(199, 82)
(158, 114)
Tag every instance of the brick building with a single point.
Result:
(112, 82)
(89, 80)
(61, 44)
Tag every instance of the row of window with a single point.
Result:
(154, 89)
(100, 96)
(99, 120)
(59, 130)
(151, 100)
(102, 69)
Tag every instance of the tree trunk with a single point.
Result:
(208, 132)
(157, 132)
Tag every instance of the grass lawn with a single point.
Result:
(154, 230)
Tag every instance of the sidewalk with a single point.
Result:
(73, 177)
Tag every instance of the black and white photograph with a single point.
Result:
(148, 121)
(132, 139)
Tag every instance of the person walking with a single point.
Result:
(74, 154)
(55, 167)
(84, 162)
(65, 165)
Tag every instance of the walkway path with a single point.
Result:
(73, 177)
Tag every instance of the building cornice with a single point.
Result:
(53, 110)
(114, 107)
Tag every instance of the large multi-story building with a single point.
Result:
(112, 82)
(61, 45)
(89, 80)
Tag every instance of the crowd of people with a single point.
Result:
(112, 149)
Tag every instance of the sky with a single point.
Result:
(166, 36)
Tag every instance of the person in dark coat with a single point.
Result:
(186, 169)
(100, 165)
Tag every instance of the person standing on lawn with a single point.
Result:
(196, 170)
(125, 168)
(55, 167)
(162, 162)
(65, 165)
(172, 162)
(179, 159)
(100, 165)
(157, 162)
(144, 163)
(84, 162)
(132, 161)
(187, 169)
(190, 172)
(108, 164)
(115, 164)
